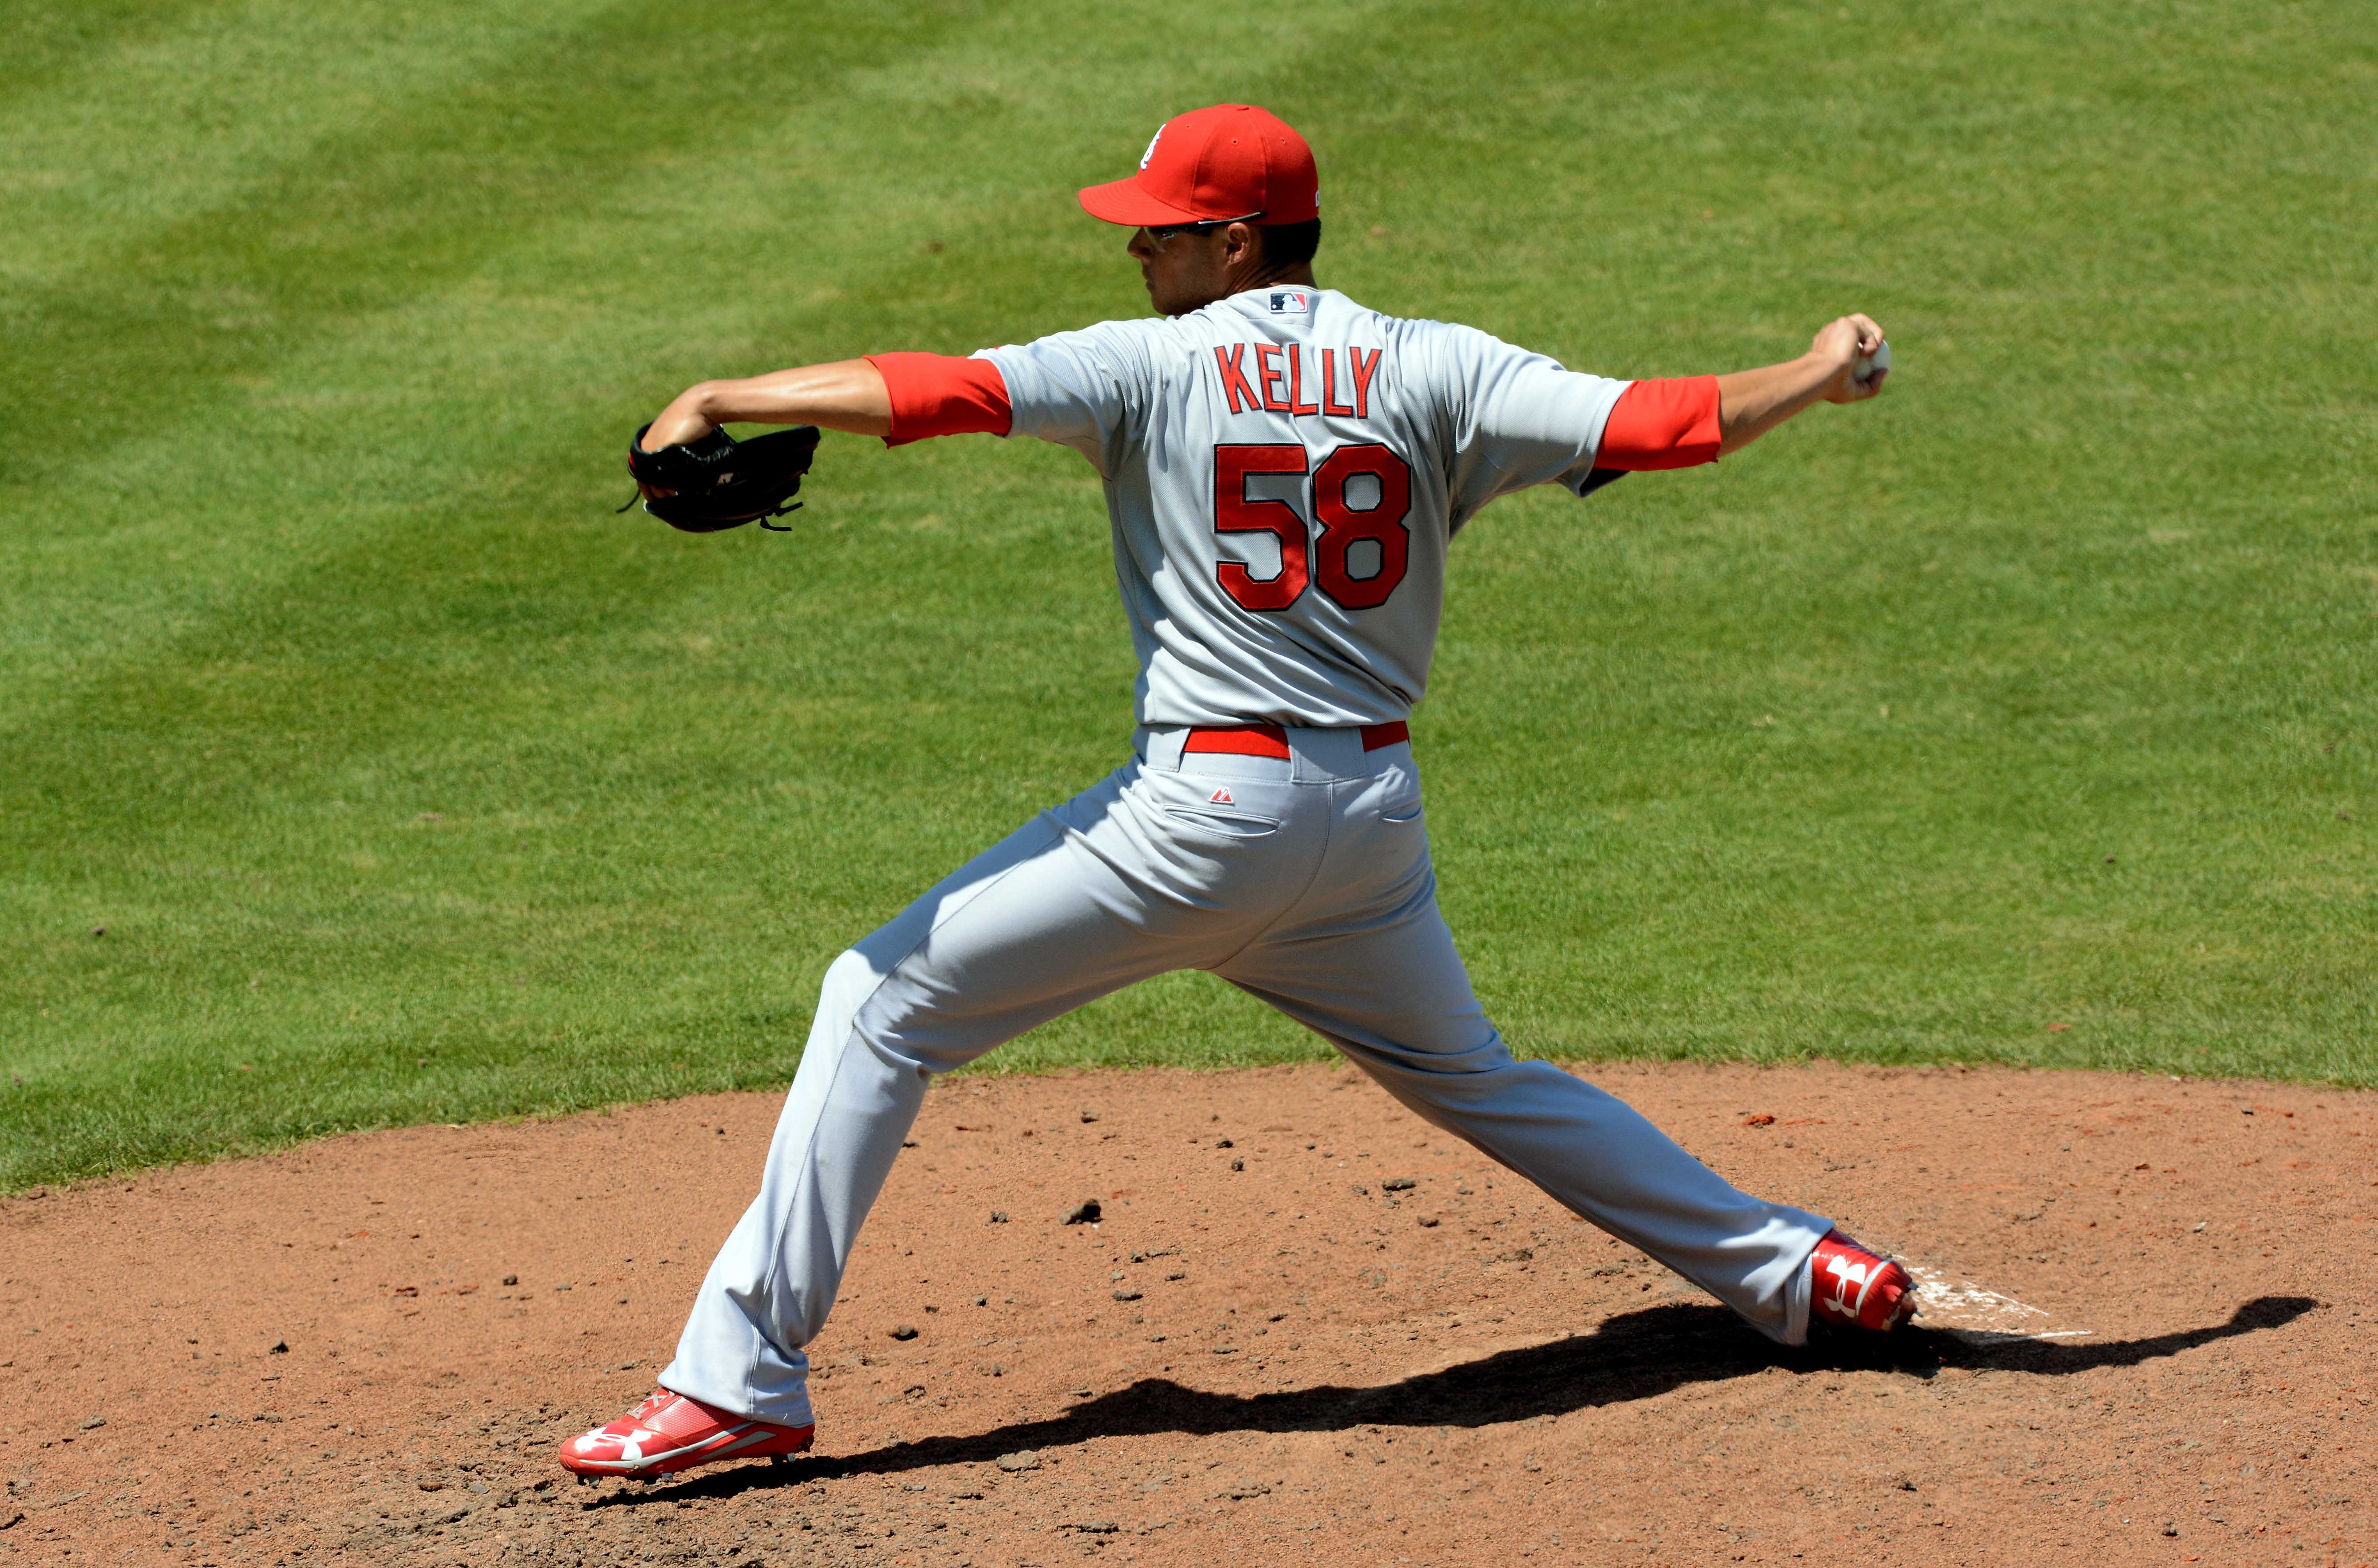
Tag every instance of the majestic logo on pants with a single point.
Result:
(1222, 797)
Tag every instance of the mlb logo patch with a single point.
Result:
(1222, 797)
(1291, 301)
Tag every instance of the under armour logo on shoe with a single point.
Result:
(1853, 1287)
(1847, 1276)
(1222, 797)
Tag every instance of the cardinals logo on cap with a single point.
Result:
(1151, 145)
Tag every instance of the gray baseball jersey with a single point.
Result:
(1285, 469)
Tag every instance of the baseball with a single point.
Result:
(1870, 366)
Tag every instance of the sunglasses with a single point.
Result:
(1163, 233)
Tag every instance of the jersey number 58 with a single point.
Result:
(1303, 558)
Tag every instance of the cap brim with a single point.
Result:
(1123, 201)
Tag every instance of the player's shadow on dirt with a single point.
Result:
(1634, 1356)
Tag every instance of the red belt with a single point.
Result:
(1271, 740)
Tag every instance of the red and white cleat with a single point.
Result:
(669, 1432)
(1851, 1286)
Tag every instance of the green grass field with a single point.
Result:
(409, 783)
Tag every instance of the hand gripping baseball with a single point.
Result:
(1856, 346)
(719, 482)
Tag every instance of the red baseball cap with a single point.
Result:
(1232, 160)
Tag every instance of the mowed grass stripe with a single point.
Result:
(165, 114)
(55, 41)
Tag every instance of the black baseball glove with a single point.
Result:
(719, 481)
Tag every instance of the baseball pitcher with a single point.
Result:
(1285, 471)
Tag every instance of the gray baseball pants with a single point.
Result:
(1304, 881)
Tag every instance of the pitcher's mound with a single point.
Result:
(1304, 1328)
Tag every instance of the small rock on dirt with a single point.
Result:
(280, 1347)
(94, 1423)
(904, 1331)
(999, 1217)
(1085, 1213)
(1090, 1116)
(1022, 1459)
(1398, 1184)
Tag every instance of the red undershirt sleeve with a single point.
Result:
(937, 394)
(1663, 424)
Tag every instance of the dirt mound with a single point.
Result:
(1306, 1326)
